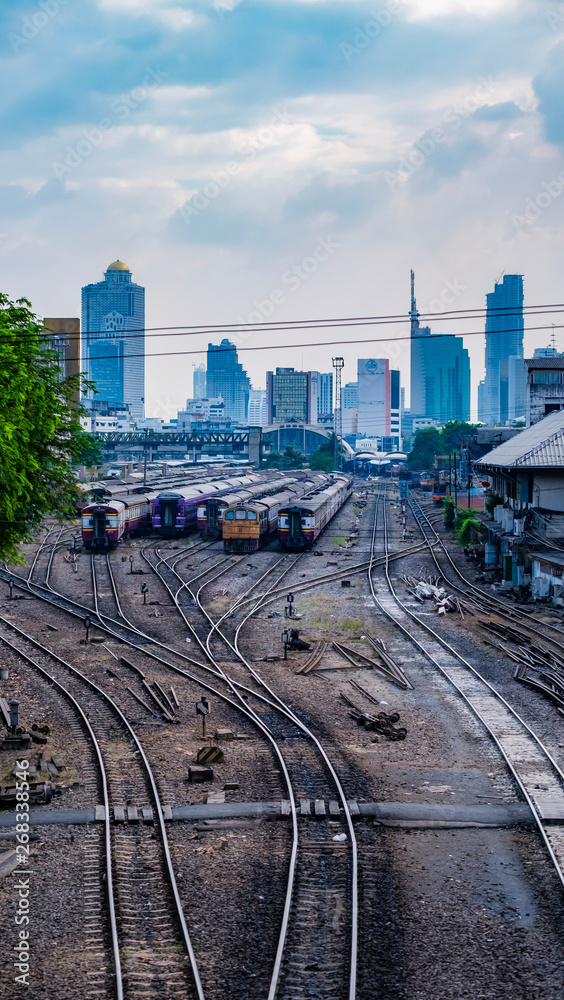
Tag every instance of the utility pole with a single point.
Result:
(338, 365)
(449, 475)
(455, 483)
(146, 444)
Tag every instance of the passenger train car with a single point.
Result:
(174, 511)
(105, 522)
(299, 524)
(210, 511)
(248, 525)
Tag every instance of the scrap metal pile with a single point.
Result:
(537, 666)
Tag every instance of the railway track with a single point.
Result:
(141, 899)
(322, 883)
(537, 774)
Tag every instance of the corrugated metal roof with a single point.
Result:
(537, 447)
(544, 362)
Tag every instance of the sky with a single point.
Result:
(283, 160)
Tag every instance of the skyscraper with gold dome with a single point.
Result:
(113, 339)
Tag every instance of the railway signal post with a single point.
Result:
(87, 624)
(203, 709)
(285, 639)
(131, 561)
(11, 586)
(144, 590)
(289, 606)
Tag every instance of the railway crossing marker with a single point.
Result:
(210, 755)
(203, 708)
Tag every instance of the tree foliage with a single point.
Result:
(89, 450)
(288, 459)
(493, 500)
(448, 512)
(467, 526)
(40, 433)
(426, 447)
(430, 442)
(322, 461)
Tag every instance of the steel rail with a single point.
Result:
(504, 609)
(156, 797)
(544, 751)
(280, 706)
(105, 796)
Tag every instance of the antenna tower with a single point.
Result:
(338, 364)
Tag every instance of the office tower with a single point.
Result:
(440, 372)
(64, 339)
(349, 396)
(378, 400)
(199, 379)
(292, 396)
(395, 404)
(113, 339)
(325, 397)
(258, 410)
(503, 396)
(227, 378)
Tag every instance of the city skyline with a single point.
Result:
(348, 165)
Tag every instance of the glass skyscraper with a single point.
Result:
(227, 378)
(113, 358)
(501, 395)
(440, 372)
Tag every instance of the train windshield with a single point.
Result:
(229, 515)
(240, 515)
(251, 515)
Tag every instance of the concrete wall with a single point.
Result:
(548, 490)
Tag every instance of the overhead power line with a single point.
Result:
(321, 343)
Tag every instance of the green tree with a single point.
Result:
(288, 459)
(40, 431)
(455, 433)
(467, 526)
(448, 512)
(89, 451)
(426, 446)
(322, 461)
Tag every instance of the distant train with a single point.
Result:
(299, 524)
(249, 525)
(211, 511)
(106, 522)
(175, 511)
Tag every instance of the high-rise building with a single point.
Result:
(199, 380)
(292, 396)
(64, 339)
(503, 396)
(113, 338)
(378, 400)
(349, 396)
(440, 372)
(258, 409)
(325, 394)
(227, 378)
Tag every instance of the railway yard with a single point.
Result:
(380, 815)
